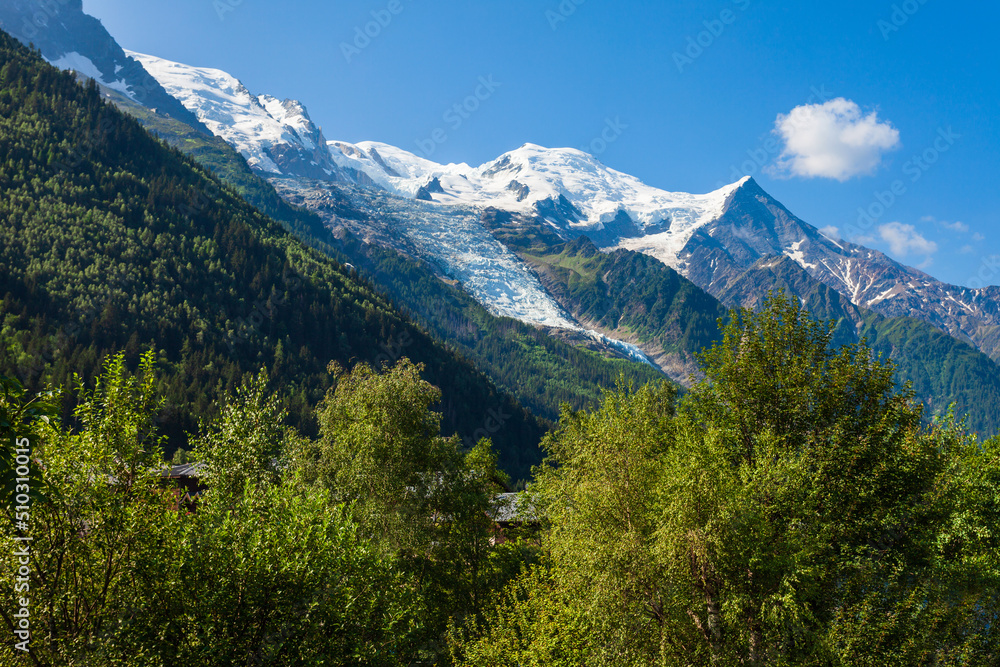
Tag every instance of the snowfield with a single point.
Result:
(253, 125)
(520, 179)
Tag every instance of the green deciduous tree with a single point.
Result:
(244, 444)
(101, 515)
(380, 450)
(415, 494)
(794, 512)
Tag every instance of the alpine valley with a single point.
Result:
(547, 270)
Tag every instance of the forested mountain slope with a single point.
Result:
(635, 297)
(542, 372)
(942, 369)
(112, 241)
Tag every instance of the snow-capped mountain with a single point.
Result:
(274, 136)
(70, 39)
(432, 211)
(711, 239)
(452, 239)
(565, 186)
(754, 225)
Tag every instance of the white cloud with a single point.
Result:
(830, 232)
(903, 240)
(832, 140)
(956, 226)
(967, 250)
(978, 238)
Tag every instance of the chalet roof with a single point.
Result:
(183, 470)
(513, 508)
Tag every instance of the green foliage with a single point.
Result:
(272, 576)
(244, 444)
(775, 372)
(630, 293)
(413, 493)
(536, 623)
(793, 512)
(270, 569)
(380, 450)
(101, 516)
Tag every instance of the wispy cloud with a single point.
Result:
(959, 227)
(830, 232)
(832, 140)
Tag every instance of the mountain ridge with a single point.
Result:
(437, 214)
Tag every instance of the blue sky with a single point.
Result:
(693, 94)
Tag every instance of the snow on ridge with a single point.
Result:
(411, 172)
(229, 110)
(794, 252)
(520, 179)
(290, 113)
(692, 212)
(517, 181)
(86, 66)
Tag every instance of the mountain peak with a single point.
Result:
(274, 136)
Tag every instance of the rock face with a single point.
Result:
(755, 226)
(70, 39)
